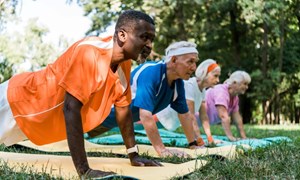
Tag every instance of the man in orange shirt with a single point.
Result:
(75, 93)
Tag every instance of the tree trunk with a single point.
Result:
(297, 114)
(235, 36)
(245, 109)
(264, 66)
(182, 34)
(280, 59)
(263, 104)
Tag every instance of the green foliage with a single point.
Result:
(5, 70)
(7, 12)
(27, 51)
(260, 37)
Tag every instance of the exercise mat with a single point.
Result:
(62, 146)
(62, 166)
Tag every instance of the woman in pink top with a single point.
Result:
(222, 103)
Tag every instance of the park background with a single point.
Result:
(261, 37)
(258, 36)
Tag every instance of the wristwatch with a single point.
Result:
(133, 149)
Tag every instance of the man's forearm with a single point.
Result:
(187, 125)
(127, 132)
(125, 122)
(153, 135)
(75, 134)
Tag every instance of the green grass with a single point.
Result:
(278, 161)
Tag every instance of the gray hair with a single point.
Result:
(238, 76)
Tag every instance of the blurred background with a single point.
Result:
(261, 37)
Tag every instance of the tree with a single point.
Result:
(27, 51)
(258, 36)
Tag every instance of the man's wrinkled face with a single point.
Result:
(185, 65)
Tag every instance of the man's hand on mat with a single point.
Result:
(96, 174)
(173, 152)
(136, 160)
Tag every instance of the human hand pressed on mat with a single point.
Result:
(173, 152)
(136, 160)
(91, 173)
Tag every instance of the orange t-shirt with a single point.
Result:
(37, 98)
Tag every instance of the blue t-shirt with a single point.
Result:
(150, 91)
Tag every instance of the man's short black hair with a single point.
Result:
(130, 17)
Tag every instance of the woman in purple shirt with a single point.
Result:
(222, 103)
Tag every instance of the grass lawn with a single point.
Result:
(278, 161)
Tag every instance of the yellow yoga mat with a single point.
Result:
(62, 146)
(62, 166)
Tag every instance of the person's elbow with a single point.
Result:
(224, 118)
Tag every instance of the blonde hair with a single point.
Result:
(179, 48)
(201, 71)
(238, 76)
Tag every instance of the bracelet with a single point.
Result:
(133, 149)
(194, 143)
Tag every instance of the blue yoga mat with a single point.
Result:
(117, 139)
(178, 140)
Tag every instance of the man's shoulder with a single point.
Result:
(97, 42)
(152, 69)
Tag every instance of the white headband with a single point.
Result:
(181, 50)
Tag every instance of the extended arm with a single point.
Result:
(125, 122)
(151, 130)
(205, 122)
(72, 108)
(154, 137)
(193, 119)
(239, 124)
(187, 120)
(223, 114)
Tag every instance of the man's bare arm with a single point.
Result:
(72, 108)
(154, 137)
(125, 122)
(193, 118)
(151, 130)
